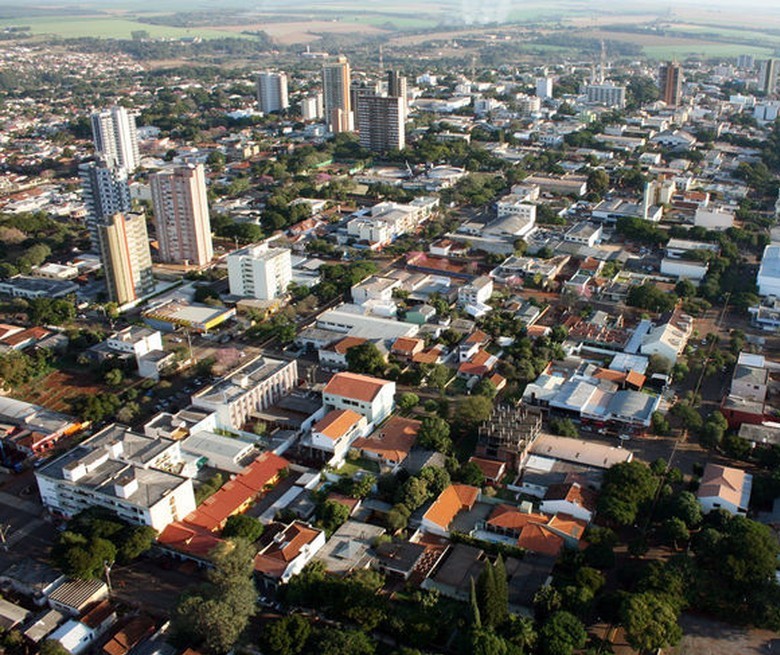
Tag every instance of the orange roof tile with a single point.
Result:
(431, 356)
(722, 482)
(492, 469)
(499, 381)
(608, 374)
(481, 363)
(274, 558)
(477, 336)
(572, 492)
(348, 342)
(453, 500)
(538, 539)
(407, 346)
(337, 423)
(355, 386)
(127, 637)
(393, 440)
(636, 379)
(509, 517)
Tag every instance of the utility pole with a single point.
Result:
(107, 568)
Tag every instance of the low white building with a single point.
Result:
(260, 272)
(223, 453)
(666, 340)
(387, 221)
(476, 292)
(586, 234)
(722, 487)
(136, 341)
(715, 218)
(366, 395)
(684, 268)
(335, 433)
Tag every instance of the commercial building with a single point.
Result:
(259, 272)
(350, 320)
(125, 472)
(609, 95)
(174, 314)
(181, 215)
(272, 92)
(124, 249)
(769, 272)
(363, 394)
(670, 83)
(115, 137)
(337, 104)
(105, 191)
(31, 430)
(23, 286)
(386, 221)
(255, 386)
(380, 121)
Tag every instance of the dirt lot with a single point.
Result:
(707, 637)
(56, 389)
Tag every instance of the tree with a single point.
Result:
(137, 541)
(438, 376)
(53, 647)
(287, 636)
(216, 614)
(398, 517)
(331, 515)
(243, 527)
(713, 430)
(687, 415)
(366, 358)
(648, 296)
(626, 487)
(471, 474)
(547, 601)
(659, 364)
(687, 508)
(661, 425)
(685, 288)
(598, 181)
(474, 410)
(114, 377)
(490, 609)
(82, 557)
(676, 531)
(436, 478)
(650, 622)
(562, 634)
(408, 401)
(564, 427)
(344, 642)
(434, 433)
(485, 388)
(486, 642)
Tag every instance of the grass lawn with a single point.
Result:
(110, 28)
(352, 466)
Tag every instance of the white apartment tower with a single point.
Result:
(114, 134)
(105, 193)
(259, 272)
(181, 215)
(336, 98)
(311, 107)
(544, 87)
(609, 95)
(272, 92)
(124, 250)
(381, 123)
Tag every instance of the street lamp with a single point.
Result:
(4, 530)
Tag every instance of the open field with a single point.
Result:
(290, 33)
(705, 50)
(58, 388)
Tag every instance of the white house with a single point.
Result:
(684, 268)
(569, 498)
(290, 549)
(335, 433)
(726, 488)
(74, 636)
(136, 341)
(366, 395)
(474, 295)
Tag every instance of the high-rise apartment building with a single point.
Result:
(181, 215)
(311, 107)
(670, 83)
(272, 92)
(259, 272)
(544, 87)
(105, 193)
(767, 76)
(609, 95)
(381, 123)
(359, 89)
(115, 138)
(124, 249)
(397, 87)
(335, 93)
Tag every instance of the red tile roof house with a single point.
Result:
(287, 549)
(364, 394)
(570, 498)
(391, 443)
(335, 433)
(452, 501)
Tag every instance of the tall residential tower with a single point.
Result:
(335, 92)
(181, 215)
(381, 123)
(124, 246)
(272, 92)
(670, 83)
(105, 192)
(116, 141)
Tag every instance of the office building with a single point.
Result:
(397, 87)
(259, 272)
(311, 108)
(767, 76)
(381, 123)
(670, 83)
(272, 92)
(124, 249)
(544, 87)
(336, 96)
(122, 471)
(609, 95)
(114, 134)
(181, 215)
(105, 192)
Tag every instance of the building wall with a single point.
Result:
(261, 272)
(554, 507)
(375, 412)
(272, 92)
(124, 247)
(710, 504)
